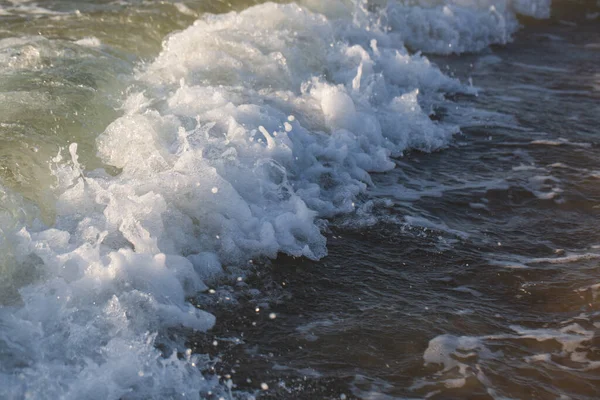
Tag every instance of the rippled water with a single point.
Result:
(468, 270)
(475, 272)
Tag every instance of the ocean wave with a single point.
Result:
(237, 142)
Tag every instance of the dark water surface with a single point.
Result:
(485, 253)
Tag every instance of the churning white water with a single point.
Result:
(236, 143)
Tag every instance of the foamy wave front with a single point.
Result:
(246, 132)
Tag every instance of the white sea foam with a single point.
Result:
(458, 26)
(561, 142)
(17, 53)
(90, 41)
(471, 358)
(249, 129)
(26, 7)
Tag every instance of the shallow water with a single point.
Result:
(468, 270)
(479, 278)
(475, 273)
